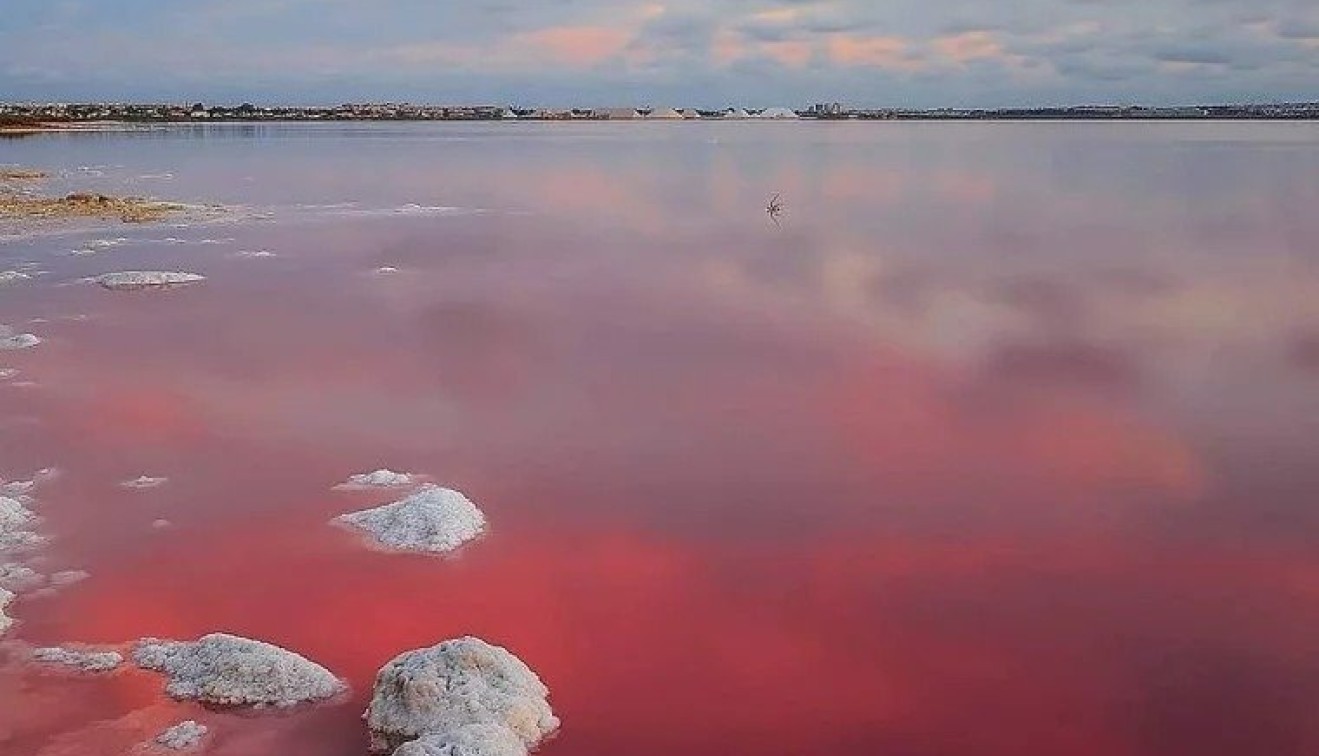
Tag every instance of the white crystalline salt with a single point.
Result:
(12, 276)
(231, 671)
(382, 478)
(434, 519)
(67, 578)
(469, 740)
(17, 525)
(142, 279)
(85, 661)
(7, 373)
(184, 736)
(385, 270)
(459, 695)
(144, 481)
(161, 524)
(19, 578)
(5, 621)
(18, 341)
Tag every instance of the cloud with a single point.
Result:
(952, 53)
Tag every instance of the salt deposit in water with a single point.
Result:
(8, 373)
(12, 276)
(434, 519)
(465, 695)
(184, 736)
(66, 578)
(17, 526)
(6, 621)
(130, 280)
(144, 481)
(17, 341)
(227, 670)
(79, 659)
(382, 478)
(19, 577)
(469, 740)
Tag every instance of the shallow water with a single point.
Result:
(1002, 442)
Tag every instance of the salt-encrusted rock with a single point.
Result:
(142, 279)
(18, 341)
(83, 661)
(144, 481)
(5, 621)
(382, 478)
(17, 525)
(231, 671)
(470, 740)
(18, 577)
(184, 736)
(434, 519)
(442, 693)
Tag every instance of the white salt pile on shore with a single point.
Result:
(462, 696)
(184, 736)
(227, 670)
(434, 519)
(131, 280)
(80, 660)
(382, 478)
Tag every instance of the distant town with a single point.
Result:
(17, 115)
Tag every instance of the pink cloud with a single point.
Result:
(579, 46)
(879, 52)
(791, 53)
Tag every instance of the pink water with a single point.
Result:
(1003, 443)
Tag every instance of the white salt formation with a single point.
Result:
(7, 373)
(463, 696)
(17, 526)
(17, 341)
(12, 276)
(143, 279)
(469, 740)
(83, 661)
(184, 736)
(434, 519)
(382, 478)
(18, 577)
(144, 481)
(230, 671)
(5, 621)
(67, 578)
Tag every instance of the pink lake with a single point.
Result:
(1001, 443)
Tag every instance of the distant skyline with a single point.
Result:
(904, 53)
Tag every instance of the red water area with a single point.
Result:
(988, 448)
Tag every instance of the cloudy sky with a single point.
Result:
(680, 52)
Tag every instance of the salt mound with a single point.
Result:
(85, 661)
(184, 736)
(458, 696)
(469, 740)
(18, 577)
(379, 479)
(142, 279)
(17, 341)
(5, 621)
(16, 525)
(230, 671)
(434, 519)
